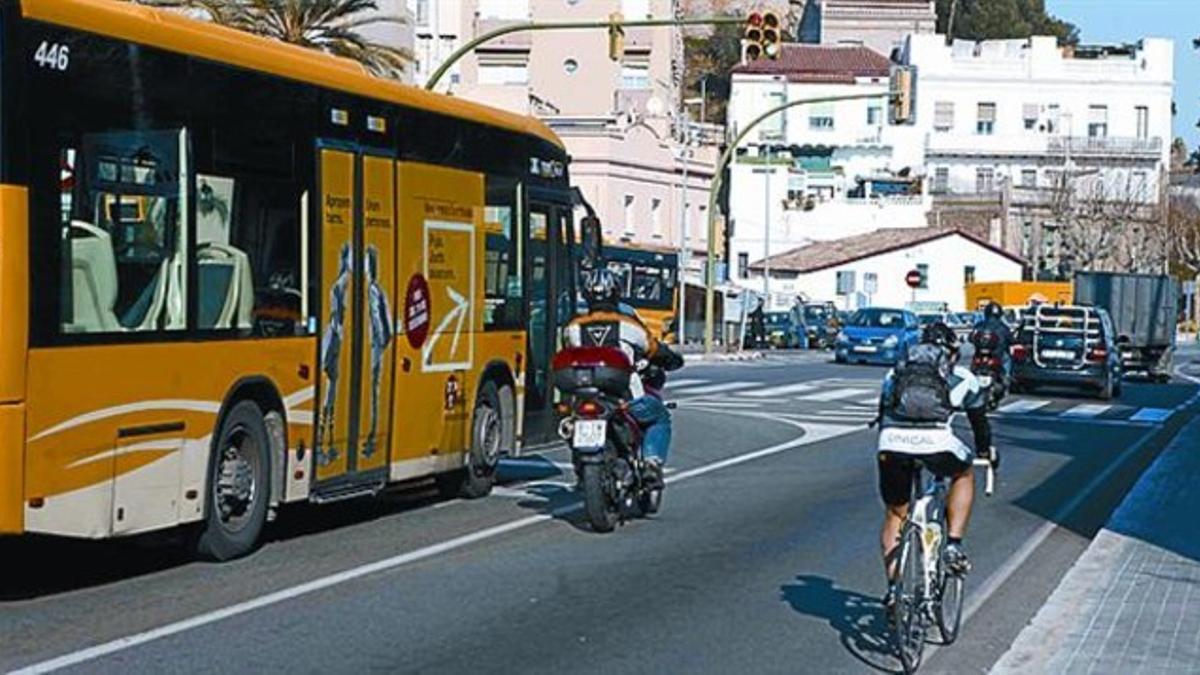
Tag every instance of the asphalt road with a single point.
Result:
(764, 558)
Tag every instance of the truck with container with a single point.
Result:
(1144, 309)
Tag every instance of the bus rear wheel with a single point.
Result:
(238, 486)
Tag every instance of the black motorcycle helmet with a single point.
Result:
(993, 311)
(602, 290)
(939, 334)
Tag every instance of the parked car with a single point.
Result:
(820, 323)
(1071, 346)
(956, 323)
(877, 335)
(782, 331)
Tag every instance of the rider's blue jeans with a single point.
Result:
(654, 417)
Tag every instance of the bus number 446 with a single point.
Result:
(53, 56)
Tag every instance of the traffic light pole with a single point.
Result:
(531, 26)
(718, 176)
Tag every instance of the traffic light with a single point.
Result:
(903, 95)
(772, 35)
(752, 37)
(616, 36)
(762, 36)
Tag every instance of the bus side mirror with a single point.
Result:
(592, 241)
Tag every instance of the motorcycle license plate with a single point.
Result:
(589, 433)
(985, 380)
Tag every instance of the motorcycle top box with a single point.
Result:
(605, 369)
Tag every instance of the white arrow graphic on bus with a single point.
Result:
(459, 315)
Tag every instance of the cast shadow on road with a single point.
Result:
(37, 567)
(859, 619)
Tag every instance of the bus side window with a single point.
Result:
(248, 233)
(123, 227)
(502, 259)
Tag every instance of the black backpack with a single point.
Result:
(920, 391)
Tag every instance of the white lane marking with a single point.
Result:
(1152, 415)
(782, 390)
(1002, 574)
(714, 388)
(1005, 572)
(1087, 410)
(1023, 406)
(675, 384)
(832, 395)
(813, 434)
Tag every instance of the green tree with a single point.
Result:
(709, 62)
(1001, 19)
(331, 26)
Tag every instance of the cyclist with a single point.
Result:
(951, 388)
(611, 323)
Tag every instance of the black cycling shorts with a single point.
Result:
(896, 470)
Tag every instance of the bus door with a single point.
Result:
(358, 250)
(552, 298)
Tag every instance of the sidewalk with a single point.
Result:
(1131, 603)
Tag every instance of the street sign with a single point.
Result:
(913, 278)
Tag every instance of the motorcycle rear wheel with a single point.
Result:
(600, 508)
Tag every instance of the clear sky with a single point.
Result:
(1129, 20)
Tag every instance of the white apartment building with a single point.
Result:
(620, 120)
(1020, 119)
(821, 171)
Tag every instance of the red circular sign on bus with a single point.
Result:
(416, 311)
(913, 278)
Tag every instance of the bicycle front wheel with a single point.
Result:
(908, 621)
(950, 604)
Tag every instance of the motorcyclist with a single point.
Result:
(951, 457)
(611, 323)
(993, 324)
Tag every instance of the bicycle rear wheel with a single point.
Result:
(908, 621)
(950, 603)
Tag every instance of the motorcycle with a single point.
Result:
(988, 366)
(606, 440)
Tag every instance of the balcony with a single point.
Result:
(1036, 145)
(1105, 146)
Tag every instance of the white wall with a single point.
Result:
(946, 258)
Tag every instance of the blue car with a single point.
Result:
(877, 335)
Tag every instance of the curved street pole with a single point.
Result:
(531, 26)
(718, 175)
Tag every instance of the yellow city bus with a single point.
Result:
(647, 278)
(236, 274)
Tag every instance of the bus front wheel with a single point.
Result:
(487, 442)
(238, 485)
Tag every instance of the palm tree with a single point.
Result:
(332, 26)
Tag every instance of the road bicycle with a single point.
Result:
(925, 591)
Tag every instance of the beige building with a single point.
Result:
(878, 24)
(621, 120)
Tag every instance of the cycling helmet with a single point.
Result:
(993, 311)
(602, 288)
(940, 335)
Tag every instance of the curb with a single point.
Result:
(1045, 643)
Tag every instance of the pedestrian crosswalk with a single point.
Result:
(844, 398)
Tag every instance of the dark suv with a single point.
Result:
(1067, 346)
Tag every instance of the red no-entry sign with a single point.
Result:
(913, 278)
